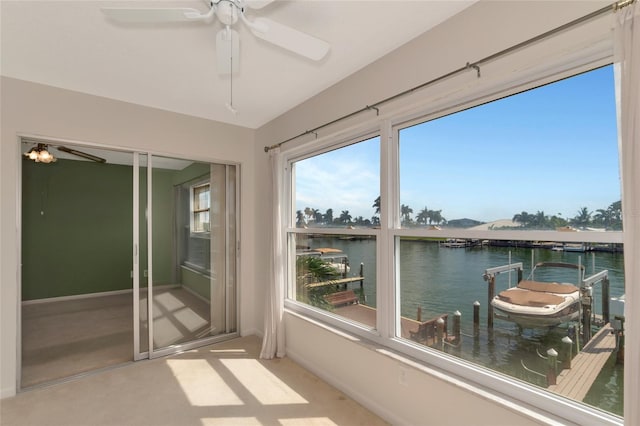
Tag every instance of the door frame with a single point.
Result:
(136, 355)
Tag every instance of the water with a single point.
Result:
(444, 280)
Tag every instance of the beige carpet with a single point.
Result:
(222, 384)
(66, 338)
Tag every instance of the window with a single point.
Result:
(336, 202)
(484, 204)
(500, 198)
(201, 206)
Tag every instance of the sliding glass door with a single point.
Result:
(92, 243)
(186, 254)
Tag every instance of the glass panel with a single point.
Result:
(543, 159)
(340, 188)
(76, 262)
(192, 246)
(438, 281)
(337, 273)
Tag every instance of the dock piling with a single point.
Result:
(552, 371)
(492, 293)
(419, 314)
(566, 352)
(456, 326)
(605, 300)
(362, 274)
(476, 318)
(440, 332)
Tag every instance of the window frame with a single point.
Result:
(390, 230)
(291, 157)
(193, 211)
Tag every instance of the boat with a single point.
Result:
(454, 243)
(334, 257)
(535, 304)
(581, 248)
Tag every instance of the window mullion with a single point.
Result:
(386, 283)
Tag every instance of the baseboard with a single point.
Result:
(345, 388)
(199, 296)
(90, 295)
(76, 297)
(252, 332)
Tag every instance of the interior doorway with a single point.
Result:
(119, 253)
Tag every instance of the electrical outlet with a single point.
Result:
(402, 377)
(146, 273)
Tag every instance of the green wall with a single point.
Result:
(164, 265)
(76, 228)
(162, 199)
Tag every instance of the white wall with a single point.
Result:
(50, 112)
(484, 29)
(372, 378)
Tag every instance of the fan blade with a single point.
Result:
(257, 4)
(82, 154)
(227, 51)
(290, 39)
(132, 15)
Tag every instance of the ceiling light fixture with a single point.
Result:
(40, 154)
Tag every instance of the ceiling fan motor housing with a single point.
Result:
(227, 12)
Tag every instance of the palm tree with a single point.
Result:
(583, 218)
(616, 215)
(376, 204)
(436, 217)
(311, 269)
(405, 212)
(308, 213)
(299, 218)
(423, 216)
(603, 217)
(541, 220)
(317, 216)
(328, 216)
(523, 219)
(345, 217)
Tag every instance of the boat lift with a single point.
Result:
(586, 294)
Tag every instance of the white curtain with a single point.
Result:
(627, 51)
(273, 342)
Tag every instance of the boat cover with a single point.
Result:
(516, 296)
(547, 287)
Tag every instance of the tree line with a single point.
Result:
(609, 218)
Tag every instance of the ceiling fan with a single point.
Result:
(41, 153)
(228, 12)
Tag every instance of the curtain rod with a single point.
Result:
(469, 66)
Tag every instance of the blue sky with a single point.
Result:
(552, 149)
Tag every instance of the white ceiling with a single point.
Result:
(71, 45)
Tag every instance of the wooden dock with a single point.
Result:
(337, 282)
(574, 383)
(409, 328)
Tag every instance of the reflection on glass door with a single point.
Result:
(191, 252)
